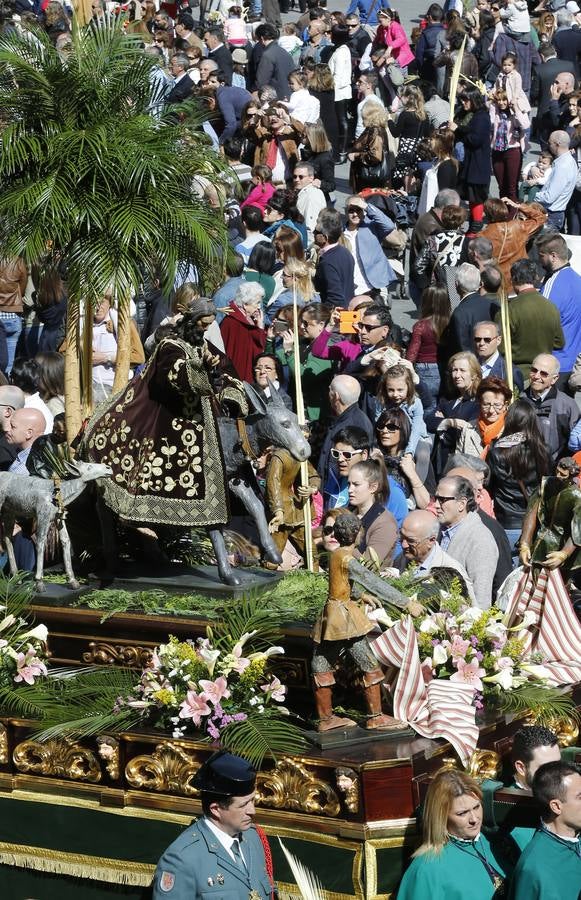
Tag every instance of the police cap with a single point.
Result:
(226, 775)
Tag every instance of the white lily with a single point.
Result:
(537, 671)
(503, 678)
(495, 630)
(429, 626)
(471, 615)
(210, 657)
(39, 633)
(7, 622)
(272, 651)
(528, 619)
(439, 655)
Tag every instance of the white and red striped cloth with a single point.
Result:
(438, 709)
(442, 708)
(556, 630)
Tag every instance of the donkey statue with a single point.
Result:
(43, 499)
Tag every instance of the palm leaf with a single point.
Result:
(249, 614)
(545, 703)
(307, 882)
(261, 735)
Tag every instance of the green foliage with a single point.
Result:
(260, 735)
(88, 175)
(545, 703)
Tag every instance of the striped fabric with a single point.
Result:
(556, 630)
(438, 709)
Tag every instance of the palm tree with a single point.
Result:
(91, 182)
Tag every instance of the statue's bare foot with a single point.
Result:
(335, 722)
(40, 587)
(384, 723)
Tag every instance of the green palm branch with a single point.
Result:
(89, 179)
(545, 703)
(262, 734)
(251, 613)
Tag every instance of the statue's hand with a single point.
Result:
(554, 559)
(276, 521)
(524, 554)
(305, 490)
(414, 608)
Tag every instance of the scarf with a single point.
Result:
(271, 155)
(489, 432)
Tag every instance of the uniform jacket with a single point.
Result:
(196, 866)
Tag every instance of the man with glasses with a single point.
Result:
(344, 393)
(373, 328)
(487, 340)
(310, 198)
(464, 537)
(183, 84)
(359, 38)
(419, 541)
(556, 412)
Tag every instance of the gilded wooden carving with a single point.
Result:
(348, 784)
(483, 765)
(169, 769)
(60, 758)
(3, 745)
(108, 749)
(567, 730)
(103, 654)
(291, 786)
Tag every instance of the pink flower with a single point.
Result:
(29, 667)
(194, 707)
(276, 689)
(459, 647)
(504, 662)
(213, 691)
(469, 673)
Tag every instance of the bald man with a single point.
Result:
(559, 186)
(557, 413)
(25, 426)
(11, 398)
(419, 540)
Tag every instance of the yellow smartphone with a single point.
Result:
(348, 320)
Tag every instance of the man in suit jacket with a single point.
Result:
(487, 341)
(221, 853)
(275, 63)
(183, 84)
(365, 230)
(335, 266)
(473, 307)
(544, 76)
(464, 537)
(218, 51)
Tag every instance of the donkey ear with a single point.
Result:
(73, 469)
(257, 401)
(275, 395)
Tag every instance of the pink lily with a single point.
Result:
(29, 666)
(276, 689)
(213, 691)
(469, 673)
(194, 707)
(459, 647)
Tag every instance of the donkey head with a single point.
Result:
(276, 425)
(88, 471)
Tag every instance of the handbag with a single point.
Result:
(374, 174)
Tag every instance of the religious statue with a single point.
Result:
(285, 497)
(342, 628)
(551, 533)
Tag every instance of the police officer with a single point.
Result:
(220, 855)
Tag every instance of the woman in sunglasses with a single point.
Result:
(393, 431)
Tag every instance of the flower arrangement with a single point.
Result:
(23, 651)
(194, 686)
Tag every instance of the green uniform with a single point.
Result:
(197, 866)
(456, 873)
(549, 869)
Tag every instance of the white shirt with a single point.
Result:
(310, 202)
(360, 281)
(224, 839)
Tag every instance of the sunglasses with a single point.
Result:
(365, 326)
(483, 340)
(355, 209)
(541, 372)
(328, 529)
(441, 499)
(346, 454)
(390, 427)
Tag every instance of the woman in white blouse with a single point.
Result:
(341, 67)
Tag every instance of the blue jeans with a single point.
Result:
(556, 219)
(255, 7)
(429, 374)
(12, 327)
(513, 534)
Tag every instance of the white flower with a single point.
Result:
(538, 672)
(380, 616)
(471, 615)
(504, 678)
(529, 618)
(272, 651)
(429, 625)
(40, 633)
(7, 622)
(440, 655)
(495, 630)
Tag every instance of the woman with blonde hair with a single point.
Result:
(546, 27)
(369, 156)
(411, 126)
(455, 861)
(317, 150)
(322, 87)
(463, 377)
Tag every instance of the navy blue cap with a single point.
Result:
(226, 775)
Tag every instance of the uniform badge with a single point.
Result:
(254, 895)
(220, 879)
(166, 882)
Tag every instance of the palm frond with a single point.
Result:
(249, 614)
(261, 735)
(307, 882)
(545, 703)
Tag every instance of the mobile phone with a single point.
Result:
(348, 320)
(280, 326)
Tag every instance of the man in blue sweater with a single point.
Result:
(562, 287)
(335, 266)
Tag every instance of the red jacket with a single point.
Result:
(242, 341)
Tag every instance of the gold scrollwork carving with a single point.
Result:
(60, 758)
(108, 749)
(348, 784)
(483, 765)
(291, 786)
(567, 730)
(103, 654)
(169, 769)
(3, 745)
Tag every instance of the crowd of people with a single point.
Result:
(425, 433)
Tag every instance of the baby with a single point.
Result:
(516, 20)
(290, 41)
(534, 176)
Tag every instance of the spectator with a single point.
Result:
(510, 236)
(339, 63)
(344, 393)
(557, 191)
(475, 135)
(426, 47)
(487, 341)
(316, 373)
(393, 433)
(13, 281)
(556, 412)
(263, 189)
(218, 52)
(463, 376)
(419, 540)
(335, 266)
(427, 224)
(366, 228)
(563, 288)
(368, 491)
(427, 334)
(310, 198)
(253, 224)
(275, 63)
(369, 166)
(535, 325)
(242, 329)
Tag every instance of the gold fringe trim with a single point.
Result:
(95, 868)
(287, 891)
